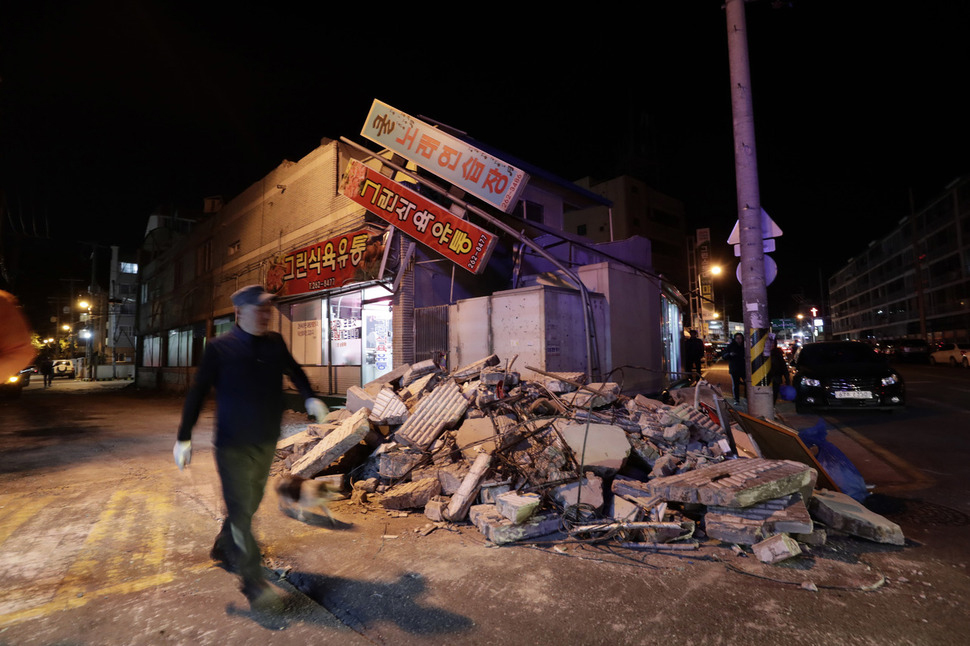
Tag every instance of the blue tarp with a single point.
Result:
(836, 464)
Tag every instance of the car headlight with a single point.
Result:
(890, 380)
(14, 379)
(811, 383)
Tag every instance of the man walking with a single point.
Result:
(246, 366)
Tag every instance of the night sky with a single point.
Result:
(109, 109)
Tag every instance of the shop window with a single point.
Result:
(345, 329)
(378, 336)
(307, 338)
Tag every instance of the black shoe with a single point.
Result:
(262, 596)
(223, 558)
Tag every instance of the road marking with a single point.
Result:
(22, 511)
(130, 518)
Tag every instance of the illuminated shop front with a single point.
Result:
(343, 333)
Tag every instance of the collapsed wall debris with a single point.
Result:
(525, 458)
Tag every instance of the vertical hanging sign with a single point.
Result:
(448, 157)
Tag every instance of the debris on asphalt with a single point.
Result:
(523, 459)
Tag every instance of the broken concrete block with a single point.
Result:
(562, 382)
(776, 549)
(437, 411)
(411, 495)
(606, 394)
(603, 449)
(645, 450)
(816, 538)
(500, 530)
(588, 492)
(360, 397)
(450, 476)
(389, 378)
(730, 528)
(623, 509)
(396, 464)
(506, 531)
(843, 513)
(780, 515)
(475, 434)
(677, 434)
(419, 369)
(350, 433)
(665, 465)
(417, 388)
(735, 483)
(465, 496)
(490, 490)
(472, 371)
(517, 507)
(435, 509)
(636, 492)
(388, 408)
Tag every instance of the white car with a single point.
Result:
(64, 368)
(953, 354)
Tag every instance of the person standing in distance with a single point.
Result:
(693, 354)
(246, 367)
(735, 355)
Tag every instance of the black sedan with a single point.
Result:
(845, 374)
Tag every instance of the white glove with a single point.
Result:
(182, 453)
(316, 408)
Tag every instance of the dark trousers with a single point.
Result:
(243, 471)
(737, 381)
(694, 365)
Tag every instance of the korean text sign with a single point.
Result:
(450, 158)
(351, 257)
(418, 217)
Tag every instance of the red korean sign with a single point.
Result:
(435, 227)
(348, 258)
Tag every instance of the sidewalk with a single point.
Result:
(877, 466)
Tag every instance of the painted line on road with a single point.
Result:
(22, 511)
(130, 518)
(918, 479)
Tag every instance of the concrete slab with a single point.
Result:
(843, 513)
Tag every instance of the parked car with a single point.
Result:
(953, 354)
(64, 368)
(845, 374)
(13, 386)
(912, 350)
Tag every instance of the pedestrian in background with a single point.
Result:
(779, 371)
(693, 353)
(16, 351)
(246, 367)
(47, 371)
(735, 356)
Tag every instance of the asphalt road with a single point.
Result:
(103, 541)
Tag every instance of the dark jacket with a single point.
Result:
(247, 373)
(734, 354)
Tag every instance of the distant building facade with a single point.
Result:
(915, 281)
(637, 210)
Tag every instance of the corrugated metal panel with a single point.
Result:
(431, 333)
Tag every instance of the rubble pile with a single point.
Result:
(525, 458)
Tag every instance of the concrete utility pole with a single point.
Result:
(754, 293)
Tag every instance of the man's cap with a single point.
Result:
(251, 295)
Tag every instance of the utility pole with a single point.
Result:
(754, 292)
